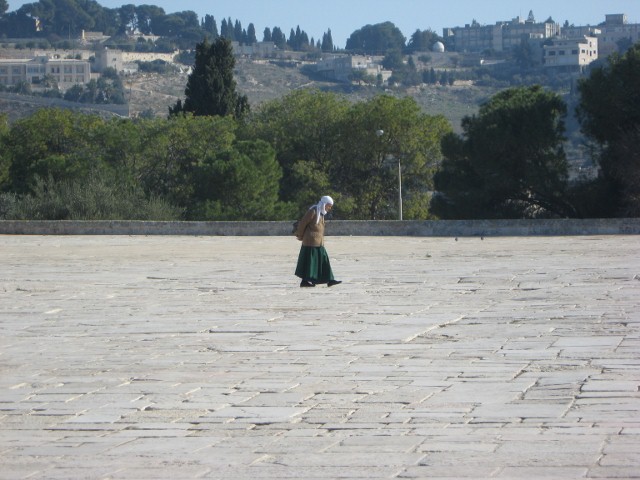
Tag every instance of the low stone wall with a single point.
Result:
(439, 228)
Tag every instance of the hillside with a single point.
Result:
(263, 81)
(260, 80)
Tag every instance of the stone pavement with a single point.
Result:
(200, 357)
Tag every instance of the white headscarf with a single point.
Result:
(320, 207)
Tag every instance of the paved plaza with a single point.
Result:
(132, 357)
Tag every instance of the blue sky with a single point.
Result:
(343, 17)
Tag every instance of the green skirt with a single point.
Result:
(313, 265)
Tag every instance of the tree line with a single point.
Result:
(56, 164)
(214, 158)
(56, 22)
(510, 162)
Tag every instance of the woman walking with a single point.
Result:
(313, 261)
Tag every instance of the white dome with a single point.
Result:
(438, 47)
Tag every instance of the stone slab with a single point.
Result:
(200, 357)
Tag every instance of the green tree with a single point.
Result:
(96, 197)
(241, 183)
(146, 15)
(49, 81)
(51, 143)
(4, 6)
(422, 41)
(23, 87)
(74, 94)
(210, 26)
(279, 38)
(509, 162)
(304, 128)
(410, 74)
(327, 42)
(62, 17)
(237, 31)
(171, 150)
(393, 60)
(377, 135)
(609, 111)
(5, 160)
(523, 55)
(18, 24)
(376, 39)
(361, 76)
(251, 34)
(211, 88)
(127, 14)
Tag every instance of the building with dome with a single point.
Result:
(438, 47)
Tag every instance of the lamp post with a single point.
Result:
(399, 190)
(379, 133)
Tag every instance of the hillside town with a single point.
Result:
(553, 47)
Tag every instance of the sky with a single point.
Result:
(344, 17)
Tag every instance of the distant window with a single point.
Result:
(575, 52)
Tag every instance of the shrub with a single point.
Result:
(90, 199)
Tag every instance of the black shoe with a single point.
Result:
(306, 283)
(331, 283)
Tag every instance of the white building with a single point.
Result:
(571, 53)
(65, 72)
(259, 49)
(341, 67)
(106, 58)
(503, 36)
(92, 37)
(616, 28)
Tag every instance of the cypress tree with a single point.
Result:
(211, 88)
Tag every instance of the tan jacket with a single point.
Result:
(310, 232)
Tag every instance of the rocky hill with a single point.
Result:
(265, 80)
(151, 94)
